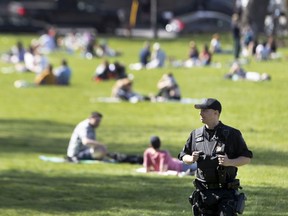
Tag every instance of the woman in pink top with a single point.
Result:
(160, 160)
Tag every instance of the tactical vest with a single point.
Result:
(209, 170)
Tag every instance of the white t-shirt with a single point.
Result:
(82, 130)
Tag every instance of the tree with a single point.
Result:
(154, 8)
(254, 15)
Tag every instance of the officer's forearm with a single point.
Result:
(240, 161)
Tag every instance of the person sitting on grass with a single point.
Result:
(205, 56)
(123, 90)
(107, 71)
(193, 57)
(215, 44)
(83, 144)
(157, 160)
(63, 73)
(144, 58)
(46, 77)
(158, 57)
(168, 88)
(102, 71)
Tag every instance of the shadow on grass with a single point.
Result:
(94, 193)
(34, 136)
(64, 194)
(48, 137)
(266, 200)
(269, 157)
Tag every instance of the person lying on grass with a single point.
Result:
(161, 161)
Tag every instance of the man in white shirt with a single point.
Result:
(83, 144)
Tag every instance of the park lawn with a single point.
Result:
(39, 121)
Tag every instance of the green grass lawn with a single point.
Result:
(39, 121)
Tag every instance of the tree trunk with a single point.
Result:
(154, 11)
(254, 15)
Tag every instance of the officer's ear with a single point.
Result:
(217, 112)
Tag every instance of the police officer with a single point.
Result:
(218, 150)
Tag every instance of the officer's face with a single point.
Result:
(208, 116)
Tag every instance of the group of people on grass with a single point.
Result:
(107, 71)
(195, 58)
(168, 89)
(34, 59)
(83, 145)
(58, 76)
(150, 59)
(49, 76)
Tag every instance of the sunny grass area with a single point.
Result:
(39, 121)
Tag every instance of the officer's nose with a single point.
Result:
(201, 112)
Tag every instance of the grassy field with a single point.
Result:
(39, 121)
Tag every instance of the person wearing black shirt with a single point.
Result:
(236, 33)
(218, 150)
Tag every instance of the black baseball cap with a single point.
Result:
(209, 103)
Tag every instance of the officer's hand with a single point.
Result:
(188, 159)
(195, 155)
(223, 160)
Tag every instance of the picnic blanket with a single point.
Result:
(55, 159)
(117, 100)
(167, 173)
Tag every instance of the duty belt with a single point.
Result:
(215, 186)
(203, 185)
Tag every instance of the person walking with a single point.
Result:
(236, 33)
(218, 150)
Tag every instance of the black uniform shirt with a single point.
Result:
(235, 144)
(207, 142)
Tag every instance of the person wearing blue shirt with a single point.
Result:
(63, 73)
(145, 54)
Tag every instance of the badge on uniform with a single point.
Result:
(218, 149)
(199, 139)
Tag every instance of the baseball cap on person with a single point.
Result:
(155, 142)
(209, 103)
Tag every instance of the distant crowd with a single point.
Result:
(35, 58)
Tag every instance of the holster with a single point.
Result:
(240, 204)
(195, 200)
(234, 185)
